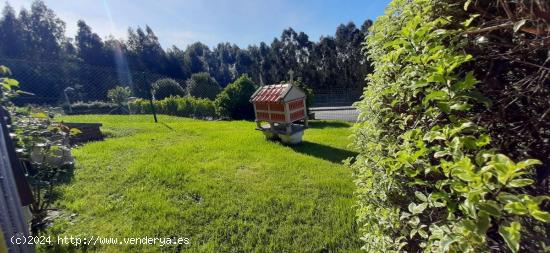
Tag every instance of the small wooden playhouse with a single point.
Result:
(282, 106)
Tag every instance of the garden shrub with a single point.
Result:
(166, 87)
(119, 95)
(233, 102)
(91, 107)
(429, 175)
(202, 85)
(177, 106)
(42, 145)
(138, 106)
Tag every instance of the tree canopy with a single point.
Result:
(37, 36)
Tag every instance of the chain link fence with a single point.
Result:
(58, 83)
(79, 88)
(336, 104)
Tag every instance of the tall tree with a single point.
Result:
(10, 34)
(224, 70)
(349, 58)
(45, 32)
(174, 59)
(153, 56)
(334, 62)
(90, 50)
(43, 39)
(89, 45)
(266, 64)
(195, 58)
(325, 62)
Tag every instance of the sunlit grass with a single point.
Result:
(220, 183)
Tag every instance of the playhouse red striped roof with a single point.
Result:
(270, 93)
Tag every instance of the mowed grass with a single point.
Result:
(219, 183)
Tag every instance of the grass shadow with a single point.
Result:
(325, 124)
(332, 154)
(167, 126)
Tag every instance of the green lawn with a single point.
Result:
(220, 183)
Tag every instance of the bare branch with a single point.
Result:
(490, 28)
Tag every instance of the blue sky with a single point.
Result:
(243, 22)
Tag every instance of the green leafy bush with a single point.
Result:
(119, 95)
(233, 101)
(202, 85)
(429, 177)
(8, 86)
(177, 106)
(166, 87)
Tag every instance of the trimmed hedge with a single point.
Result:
(92, 107)
(430, 175)
(177, 106)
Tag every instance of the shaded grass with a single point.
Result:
(218, 183)
(326, 152)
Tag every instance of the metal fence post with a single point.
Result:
(153, 106)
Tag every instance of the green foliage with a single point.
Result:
(8, 86)
(202, 85)
(428, 177)
(45, 145)
(177, 106)
(233, 101)
(167, 87)
(37, 36)
(119, 95)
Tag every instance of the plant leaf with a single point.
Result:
(467, 4)
(527, 163)
(468, 82)
(521, 182)
(483, 223)
(435, 95)
(421, 196)
(490, 207)
(516, 208)
(511, 235)
(541, 215)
